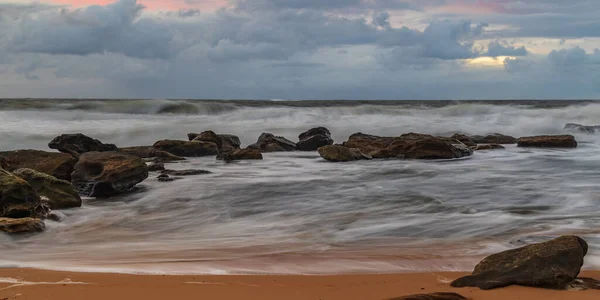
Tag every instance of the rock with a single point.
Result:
(464, 139)
(314, 138)
(582, 128)
(156, 166)
(184, 172)
(77, 144)
(548, 141)
(487, 147)
(267, 142)
(495, 138)
(3, 163)
(59, 165)
(552, 264)
(166, 178)
(151, 152)
(188, 149)
(434, 296)
(338, 153)
(103, 174)
(22, 225)
(241, 154)
(59, 193)
(209, 136)
(230, 142)
(17, 198)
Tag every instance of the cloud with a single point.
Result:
(496, 49)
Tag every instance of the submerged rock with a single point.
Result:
(184, 172)
(59, 165)
(434, 296)
(465, 139)
(59, 193)
(156, 166)
(268, 142)
(17, 198)
(495, 138)
(188, 149)
(241, 154)
(167, 178)
(103, 174)
(22, 225)
(582, 128)
(548, 141)
(338, 153)
(487, 147)
(77, 144)
(151, 152)
(552, 264)
(314, 138)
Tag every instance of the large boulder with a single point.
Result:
(465, 139)
(59, 165)
(17, 198)
(581, 128)
(268, 142)
(151, 152)
(548, 141)
(434, 296)
(77, 144)
(338, 153)
(314, 138)
(104, 174)
(22, 225)
(209, 136)
(241, 154)
(187, 149)
(552, 264)
(230, 142)
(495, 138)
(59, 193)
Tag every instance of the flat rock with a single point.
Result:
(17, 198)
(187, 149)
(582, 128)
(434, 296)
(495, 138)
(268, 142)
(314, 138)
(104, 174)
(483, 147)
(241, 154)
(465, 139)
(77, 144)
(338, 153)
(22, 225)
(59, 193)
(59, 165)
(151, 152)
(184, 172)
(548, 141)
(552, 264)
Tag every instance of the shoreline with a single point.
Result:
(41, 284)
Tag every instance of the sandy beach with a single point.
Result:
(25, 284)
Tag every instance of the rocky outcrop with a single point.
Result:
(338, 153)
(241, 154)
(548, 141)
(267, 142)
(151, 152)
(59, 193)
(409, 146)
(17, 198)
(495, 138)
(103, 174)
(22, 225)
(59, 165)
(582, 128)
(465, 139)
(77, 144)
(483, 147)
(184, 172)
(314, 138)
(434, 296)
(230, 142)
(553, 264)
(187, 149)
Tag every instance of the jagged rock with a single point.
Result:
(434, 296)
(495, 138)
(188, 149)
(241, 154)
(103, 174)
(552, 264)
(77, 144)
(314, 138)
(338, 153)
(465, 139)
(487, 147)
(209, 136)
(17, 198)
(582, 128)
(184, 172)
(548, 141)
(267, 142)
(156, 166)
(22, 225)
(59, 193)
(59, 165)
(151, 152)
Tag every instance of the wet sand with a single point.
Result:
(25, 284)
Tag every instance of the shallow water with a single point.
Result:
(294, 212)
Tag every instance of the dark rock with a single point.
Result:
(59, 193)
(548, 141)
(487, 147)
(59, 165)
(184, 172)
(465, 139)
(552, 264)
(434, 296)
(495, 138)
(151, 152)
(230, 142)
(582, 128)
(188, 149)
(166, 178)
(3, 163)
(156, 166)
(314, 138)
(21, 225)
(209, 136)
(338, 153)
(17, 198)
(56, 216)
(241, 154)
(77, 144)
(267, 142)
(103, 174)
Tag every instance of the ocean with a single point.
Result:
(293, 212)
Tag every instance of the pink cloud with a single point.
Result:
(154, 4)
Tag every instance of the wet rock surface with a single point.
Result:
(188, 149)
(77, 144)
(548, 141)
(59, 165)
(59, 194)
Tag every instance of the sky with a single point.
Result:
(300, 49)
